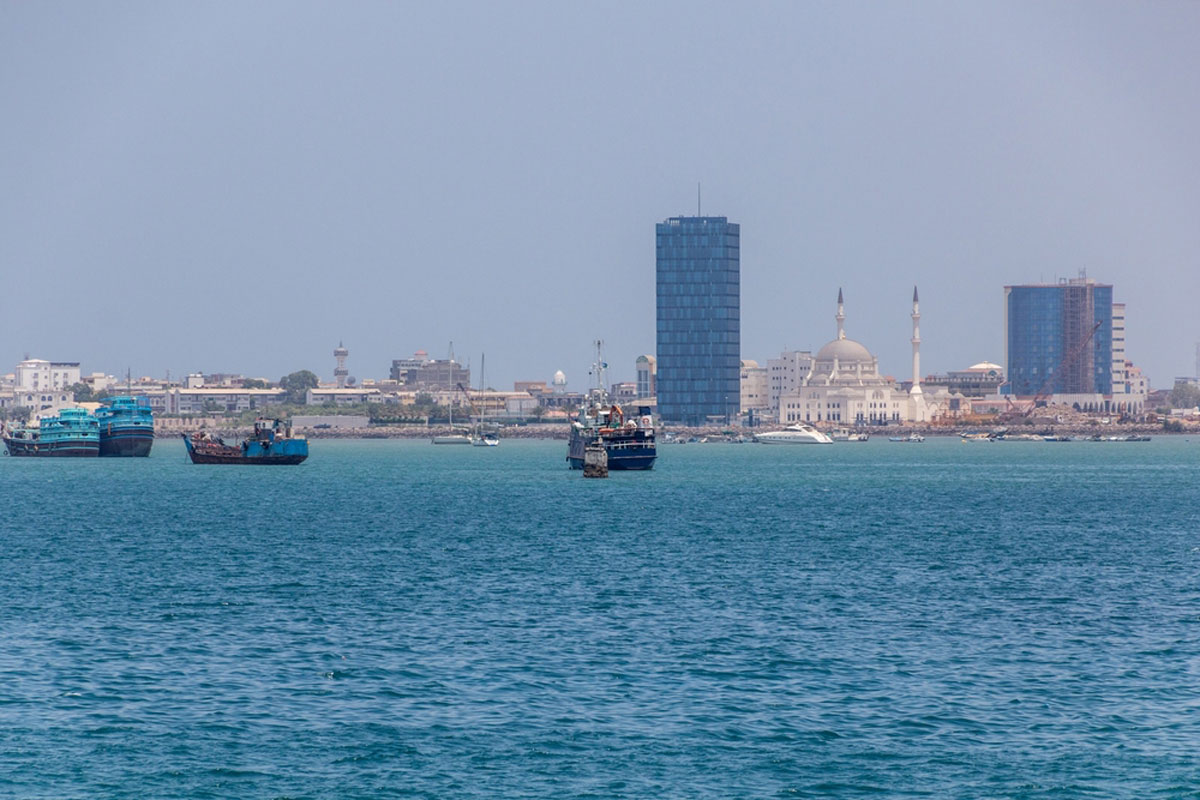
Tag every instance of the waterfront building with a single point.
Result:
(341, 396)
(1137, 387)
(623, 393)
(1058, 338)
(844, 386)
(977, 380)
(754, 395)
(698, 290)
(40, 401)
(1065, 343)
(36, 374)
(785, 375)
(647, 370)
(423, 372)
(218, 399)
(1119, 384)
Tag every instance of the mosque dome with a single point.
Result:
(985, 366)
(560, 379)
(846, 351)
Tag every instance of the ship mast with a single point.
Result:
(598, 368)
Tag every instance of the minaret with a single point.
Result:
(841, 316)
(916, 343)
(917, 412)
(339, 374)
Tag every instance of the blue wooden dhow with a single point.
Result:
(126, 426)
(272, 443)
(73, 432)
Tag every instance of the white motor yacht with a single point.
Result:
(794, 434)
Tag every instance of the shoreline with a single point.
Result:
(562, 432)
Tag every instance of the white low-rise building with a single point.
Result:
(785, 375)
(219, 399)
(755, 389)
(41, 402)
(37, 374)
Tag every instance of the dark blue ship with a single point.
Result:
(126, 426)
(629, 442)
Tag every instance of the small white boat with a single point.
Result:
(486, 440)
(452, 438)
(847, 435)
(794, 434)
(912, 437)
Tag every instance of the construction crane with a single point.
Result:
(467, 395)
(1044, 391)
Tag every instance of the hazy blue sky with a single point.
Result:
(237, 186)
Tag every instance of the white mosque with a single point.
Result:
(844, 386)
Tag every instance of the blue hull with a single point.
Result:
(287, 451)
(70, 448)
(625, 452)
(135, 443)
(622, 461)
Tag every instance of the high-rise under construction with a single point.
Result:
(1058, 338)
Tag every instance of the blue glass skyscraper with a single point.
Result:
(699, 319)
(1050, 341)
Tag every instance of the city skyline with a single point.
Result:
(398, 178)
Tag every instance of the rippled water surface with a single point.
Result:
(393, 619)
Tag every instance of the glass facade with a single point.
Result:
(1049, 348)
(699, 319)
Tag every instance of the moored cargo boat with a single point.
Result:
(272, 443)
(126, 426)
(629, 443)
(72, 433)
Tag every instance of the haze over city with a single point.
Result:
(229, 187)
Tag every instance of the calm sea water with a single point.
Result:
(393, 619)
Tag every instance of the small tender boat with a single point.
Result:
(912, 437)
(452, 438)
(485, 439)
(272, 443)
(847, 435)
(800, 433)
